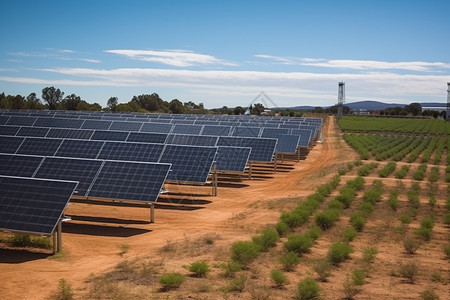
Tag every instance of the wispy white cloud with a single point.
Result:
(176, 58)
(419, 66)
(65, 54)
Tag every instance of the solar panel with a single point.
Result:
(79, 149)
(262, 148)
(58, 122)
(193, 140)
(274, 132)
(19, 165)
(232, 159)
(32, 131)
(126, 126)
(33, 205)
(10, 144)
(3, 119)
(156, 127)
(287, 143)
(78, 134)
(147, 137)
(9, 130)
(21, 120)
(96, 124)
(39, 146)
(305, 136)
(189, 163)
(187, 129)
(81, 170)
(246, 131)
(131, 151)
(130, 181)
(216, 130)
(102, 135)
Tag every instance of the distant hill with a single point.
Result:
(369, 105)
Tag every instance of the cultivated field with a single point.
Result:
(366, 221)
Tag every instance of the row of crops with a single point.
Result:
(419, 126)
(419, 149)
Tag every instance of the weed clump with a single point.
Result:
(171, 281)
(244, 252)
(278, 278)
(199, 268)
(339, 252)
(299, 243)
(307, 289)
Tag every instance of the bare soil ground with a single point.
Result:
(191, 225)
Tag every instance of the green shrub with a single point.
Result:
(231, 268)
(326, 219)
(323, 269)
(434, 174)
(357, 183)
(366, 208)
(387, 170)
(358, 221)
(289, 260)
(199, 268)
(393, 199)
(278, 278)
(171, 280)
(429, 295)
(295, 218)
(268, 238)
(405, 219)
(244, 252)
(446, 249)
(425, 233)
(314, 232)
(64, 290)
(282, 228)
(342, 171)
(409, 271)
(21, 240)
(335, 204)
(369, 254)
(350, 166)
(307, 289)
(358, 277)
(349, 234)
(339, 252)
(400, 174)
(235, 285)
(447, 218)
(299, 243)
(410, 245)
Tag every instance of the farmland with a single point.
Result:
(356, 219)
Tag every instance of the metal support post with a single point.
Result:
(152, 213)
(54, 242)
(250, 170)
(59, 239)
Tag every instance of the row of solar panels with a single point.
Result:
(189, 163)
(144, 116)
(307, 132)
(286, 143)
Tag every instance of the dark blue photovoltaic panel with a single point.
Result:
(77, 134)
(3, 119)
(187, 129)
(79, 149)
(189, 163)
(287, 143)
(305, 136)
(58, 122)
(232, 159)
(262, 148)
(192, 140)
(10, 144)
(39, 146)
(126, 126)
(102, 135)
(274, 132)
(156, 127)
(32, 131)
(131, 151)
(9, 130)
(19, 165)
(246, 131)
(81, 170)
(96, 124)
(147, 137)
(21, 120)
(216, 130)
(130, 181)
(33, 205)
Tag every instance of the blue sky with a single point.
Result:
(226, 52)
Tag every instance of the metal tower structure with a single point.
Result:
(448, 101)
(341, 98)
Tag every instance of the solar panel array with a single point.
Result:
(123, 180)
(33, 205)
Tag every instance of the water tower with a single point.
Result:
(341, 98)
(448, 101)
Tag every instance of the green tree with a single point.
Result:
(52, 96)
(414, 108)
(151, 102)
(112, 103)
(238, 110)
(33, 102)
(257, 109)
(70, 102)
(176, 106)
